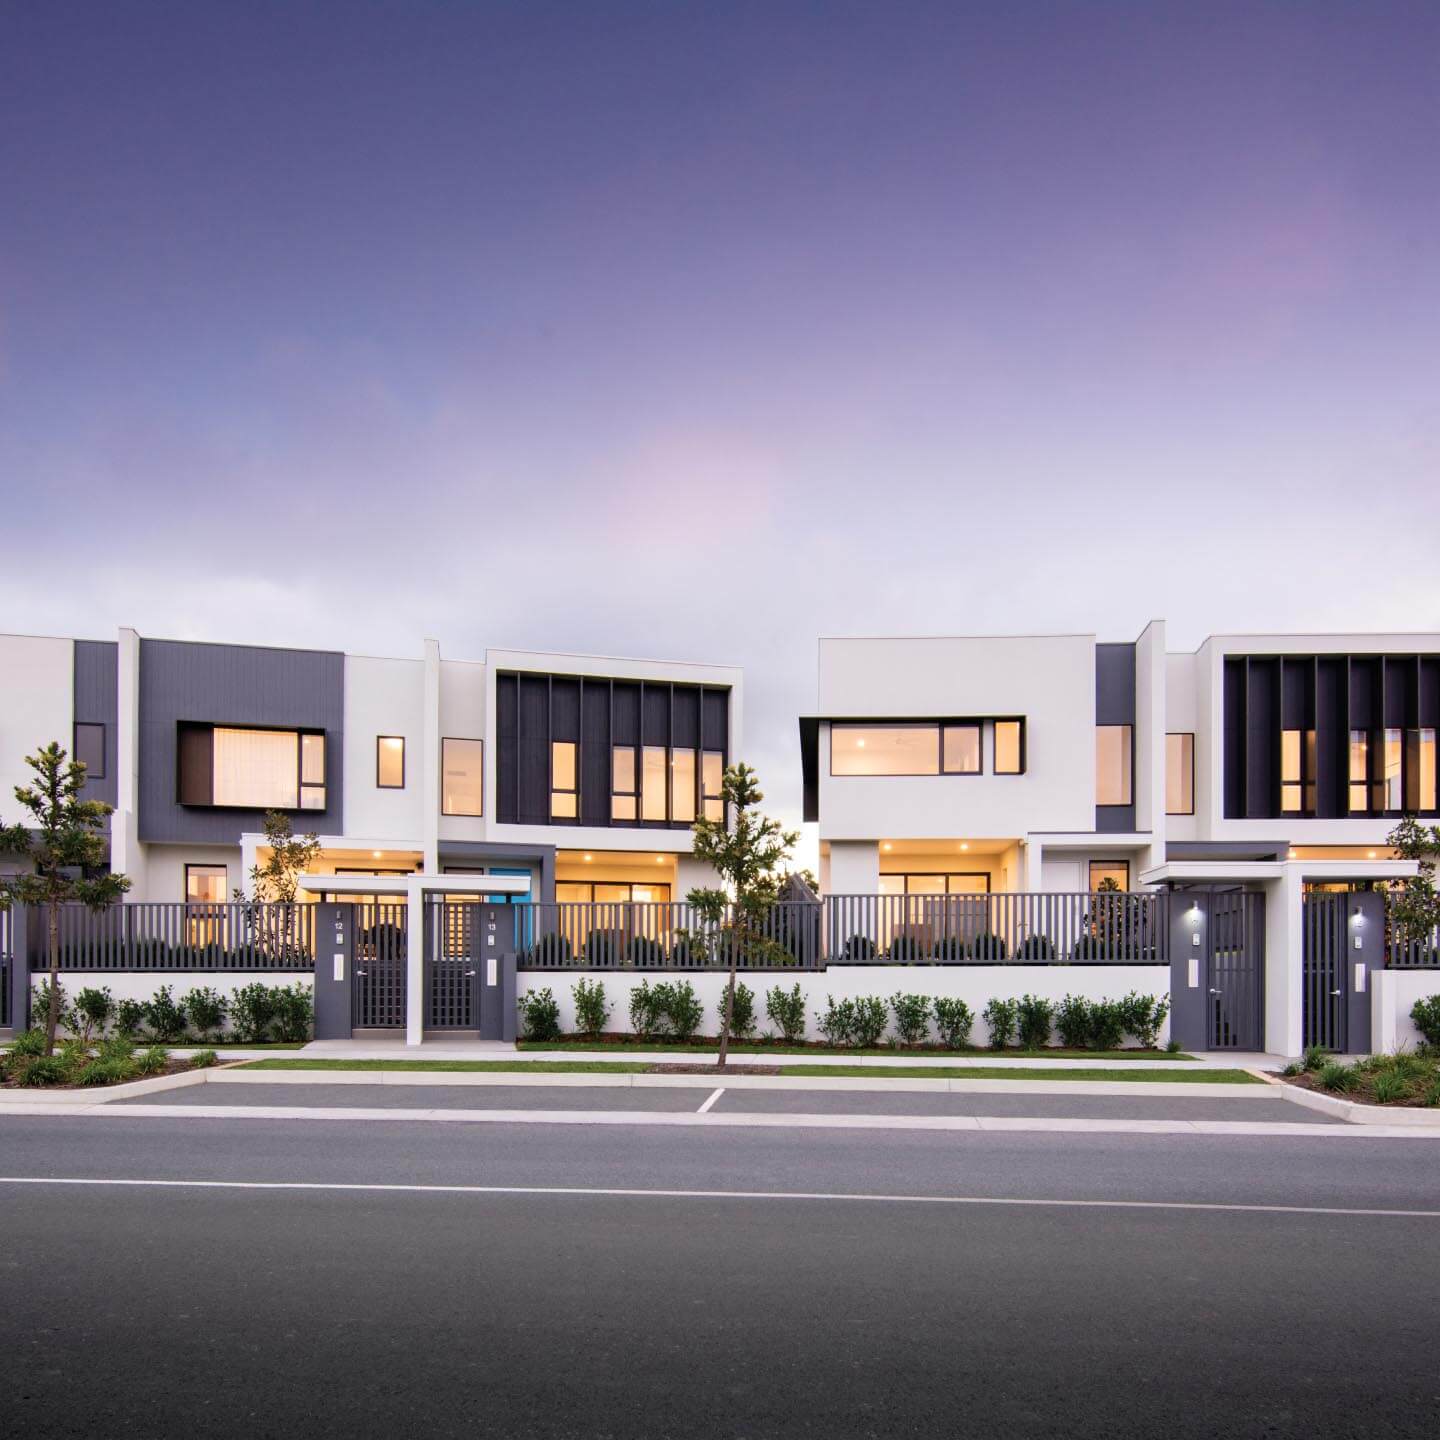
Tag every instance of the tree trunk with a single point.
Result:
(52, 1017)
(729, 1011)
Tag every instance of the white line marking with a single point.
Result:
(602, 1192)
(714, 1096)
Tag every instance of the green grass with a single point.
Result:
(539, 1067)
(708, 1047)
(1020, 1072)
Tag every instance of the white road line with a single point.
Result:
(714, 1096)
(603, 1192)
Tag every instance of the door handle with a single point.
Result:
(469, 974)
(1213, 991)
(1337, 992)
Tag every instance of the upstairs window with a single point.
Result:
(564, 796)
(226, 766)
(1421, 784)
(89, 749)
(1114, 764)
(1359, 772)
(624, 792)
(653, 799)
(712, 774)
(961, 749)
(1297, 769)
(682, 785)
(884, 749)
(390, 762)
(1009, 747)
(1180, 773)
(462, 777)
(1393, 754)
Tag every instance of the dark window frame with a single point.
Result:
(633, 794)
(1364, 782)
(301, 784)
(978, 726)
(463, 814)
(1190, 735)
(91, 772)
(707, 799)
(664, 885)
(1305, 781)
(908, 875)
(940, 726)
(1108, 865)
(379, 743)
(205, 865)
(574, 788)
(1024, 746)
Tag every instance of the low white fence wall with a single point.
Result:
(1392, 995)
(974, 984)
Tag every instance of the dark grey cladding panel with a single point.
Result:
(1115, 819)
(97, 670)
(1114, 684)
(233, 685)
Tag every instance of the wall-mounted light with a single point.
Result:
(659, 859)
(376, 854)
(1357, 916)
(1369, 854)
(887, 846)
(1294, 854)
(589, 858)
(964, 844)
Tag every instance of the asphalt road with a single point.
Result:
(242, 1311)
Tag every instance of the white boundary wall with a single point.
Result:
(1392, 994)
(975, 984)
(142, 984)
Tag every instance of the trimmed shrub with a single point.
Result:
(40, 1006)
(203, 1059)
(252, 1008)
(551, 952)
(129, 1016)
(1035, 947)
(871, 1017)
(604, 949)
(92, 1010)
(987, 947)
(859, 950)
(1335, 1076)
(591, 1011)
(1107, 1024)
(906, 950)
(1144, 1015)
(682, 1008)
(953, 1020)
(1032, 1021)
(646, 1010)
(1000, 1016)
(152, 1061)
(1426, 1015)
(742, 1012)
(912, 1018)
(643, 953)
(786, 1010)
(165, 1019)
(205, 1008)
(950, 950)
(539, 1015)
(1072, 1020)
(837, 1023)
(1087, 947)
(294, 1012)
(688, 951)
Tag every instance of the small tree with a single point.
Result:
(1413, 907)
(64, 842)
(746, 850)
(277, 881)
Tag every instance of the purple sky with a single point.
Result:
(698, 331)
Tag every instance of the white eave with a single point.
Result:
(1190, 871)
(419, 884)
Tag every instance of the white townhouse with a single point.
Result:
(577, 775)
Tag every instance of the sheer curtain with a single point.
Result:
(257, 768)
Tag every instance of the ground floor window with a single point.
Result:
(611, 892)
(1103, 870)
(954, 882)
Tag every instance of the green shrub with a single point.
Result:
(129, 1016)
(682, 1008)
(987, 947)
(604, 949)
(905, 950)
(1172, 1045)
(116, 1047)
(92, 1010)
(28, 1043)
(912, 1018)
(837, 1023)
(165, 1019)
(552, 952)
(1072, 1020)
(1143, 1015)
(643, 953)
(871, 1017)
(1032, 1021)
(252, 1008)
(1335, 1076)
(294, 1012)
(73, 1054)
(203, 1059)
(1403, 1064)
(742, 1011)
(1107, 1024)
(206, 1009)
(1432, 1094)
(1035, 947)
(646, 1010)
(1315, 1057)
(950, 950)
(953, 1020)
(101, 1071)
(859, 950)
(153, 1060)
(591, 1011)
(786, 1010)
(539, 1015)
(1293, 1068)
(1426, 1015)
(1000, 1016)
(40, 1006)
(43, 1070)
(1391, 1086)
(688, 951)
(1087, 947)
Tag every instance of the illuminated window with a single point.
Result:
(1009, 747)
(712, 775)
(1180, 773)
(1116, 870)
(884, 749)
(624, 793)
(205, 884)
(1359, 772)
(961, 746)
(682, 785)
(564, 795)
(251, 769)
(89, 749)
(1394, 770)
(1424, 770)
(462, 777)
(653, 800)
(390, 762)
(1114, 764)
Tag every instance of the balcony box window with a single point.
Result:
(230, 767)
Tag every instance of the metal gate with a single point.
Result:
(451, 971)
(1236, 967)
(1324, 918)
(381, 943)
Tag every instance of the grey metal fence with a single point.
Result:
(1038, 928)
(6, 931)
(1410, 952)
(164, 935)
(378, 996)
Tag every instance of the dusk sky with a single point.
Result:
(698, 331)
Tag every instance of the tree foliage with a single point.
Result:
(1414, 906)
(290, 857)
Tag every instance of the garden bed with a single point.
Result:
(1402, 1081)
(97, 1064)
(620, 1040)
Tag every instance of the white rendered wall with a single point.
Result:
(975, 984)
(1050, 680)
(1183, 712)
(854, 867)
(462, 717)
(164, 870)
(1392, 995)
(1150, 727)
(384, 697)
(37, 705)
(142, 984)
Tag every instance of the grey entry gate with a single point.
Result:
(1324, 917)
(1235, 967)
(381, 941)
(451, 974)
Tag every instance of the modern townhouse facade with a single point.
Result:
(577, 778)
(941, 770)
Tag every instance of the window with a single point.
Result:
(1422, 769)
(462, 777)
(950, 883)
(1180, 773)
(884, 749)
(564, 799)
(1116, 870)
(1359, 772)
(624, 793)
(1009, 747)
(712, 770)
(1393, 789)
(205, 884)
(390, 762)
(223, 765)
(653, 799)
(1114, 764)
(605, 892)
(89, 749)
(1292, 799)
(682, 785)
(961, 747)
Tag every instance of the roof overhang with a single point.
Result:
(1191, 872)
(418, 884)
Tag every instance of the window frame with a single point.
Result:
(1022, 748)
(91, 773)
(1189, 768)
(205, 865)
(1362, 737)
(1121, 864)
(707, 799)
(572, 790)
(632, 795)
(1129, 793)
(978, 726)
(300, 732)
(464, 740)
(379, 751)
